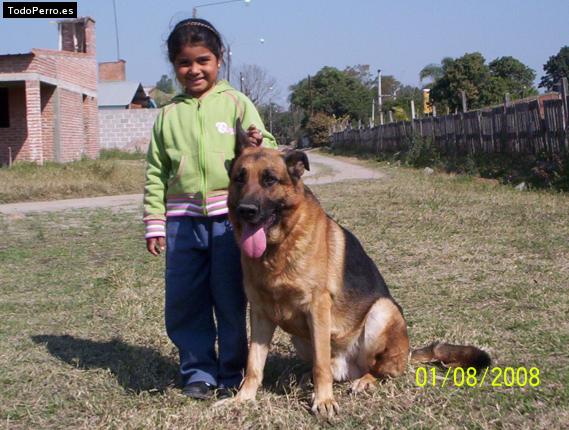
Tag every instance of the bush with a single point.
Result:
(318, 128)
(421, 153)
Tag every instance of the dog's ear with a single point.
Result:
(296, 163)
(229, 165)
(241, 139)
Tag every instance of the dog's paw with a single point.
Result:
(325, 408)
(366, 382)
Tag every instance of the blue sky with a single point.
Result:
(302, 36)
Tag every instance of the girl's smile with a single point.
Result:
(196, 69)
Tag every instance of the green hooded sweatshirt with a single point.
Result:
(192, 142)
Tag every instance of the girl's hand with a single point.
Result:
(255, 135)
(155, 245)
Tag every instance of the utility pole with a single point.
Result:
(379, 101)
(271, 111)
(310, 94)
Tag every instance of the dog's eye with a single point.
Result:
(269, 180)
(240, 177)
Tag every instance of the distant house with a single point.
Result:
(115, 92)
(48, 99)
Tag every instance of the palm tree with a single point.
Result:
(433, 72)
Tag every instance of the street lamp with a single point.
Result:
(195, 8)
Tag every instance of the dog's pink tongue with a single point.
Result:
(253, 240)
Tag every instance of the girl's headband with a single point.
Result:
(201, 24)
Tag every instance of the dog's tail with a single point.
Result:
(452, 355)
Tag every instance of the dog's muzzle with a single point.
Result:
(249, 212)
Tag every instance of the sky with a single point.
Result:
(300, 37)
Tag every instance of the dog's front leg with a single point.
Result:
(320, 328)
(262, 330)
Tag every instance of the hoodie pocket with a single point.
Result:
(217, 164)
(176, 179)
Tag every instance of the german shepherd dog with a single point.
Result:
(308, 275)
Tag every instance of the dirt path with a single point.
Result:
(323, 170)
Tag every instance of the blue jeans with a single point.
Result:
(203, 276)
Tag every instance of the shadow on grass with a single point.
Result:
(282, 372)
(136, 368)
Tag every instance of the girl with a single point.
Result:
(185, 212)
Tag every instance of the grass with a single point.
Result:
(115, 172)
(82, 343)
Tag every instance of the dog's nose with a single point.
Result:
(248, 211)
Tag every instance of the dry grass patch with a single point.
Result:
(85, 178)
(82, 343)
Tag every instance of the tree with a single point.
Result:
(362, 73)
(557, 67)
(484, 85)
(401, 104)
(166, 85)
(389, 86)
(433, 72)
(257, 84)
(333, 92)
(284, 124)
(468, 73)
(517, 77)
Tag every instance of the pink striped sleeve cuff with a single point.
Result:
(155, 228)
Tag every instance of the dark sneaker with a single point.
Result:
(199, 390)
(225, 392)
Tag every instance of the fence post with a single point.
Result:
(390, 115)
(463, 98)
(564, 95)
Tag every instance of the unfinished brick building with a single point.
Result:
(48, 99)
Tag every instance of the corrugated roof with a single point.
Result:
(118, 93)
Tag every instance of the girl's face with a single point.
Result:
(196, 69)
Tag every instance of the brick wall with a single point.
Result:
(48, 120)
(72, 142)
(113, 71)
(32, 149)
(15, 63)
(69, 67)
(40, 114)
(91, 124)
(126, 129)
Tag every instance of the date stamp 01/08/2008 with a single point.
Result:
(471, 377)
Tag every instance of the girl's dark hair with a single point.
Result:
(194, 30)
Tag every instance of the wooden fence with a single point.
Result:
(531, 127)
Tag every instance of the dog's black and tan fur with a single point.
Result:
(315, 281)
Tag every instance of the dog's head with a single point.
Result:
(265, 188)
